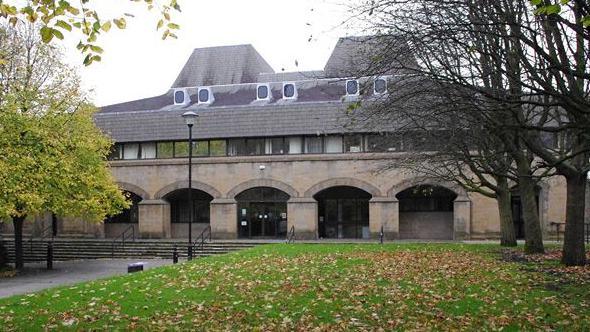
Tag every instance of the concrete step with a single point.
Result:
(80, 248)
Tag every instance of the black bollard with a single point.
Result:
(381, 235)
(175, 255)
(50, 255)
(190, 253)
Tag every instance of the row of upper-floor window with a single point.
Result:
(258, 146)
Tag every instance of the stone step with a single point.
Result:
(71, 249)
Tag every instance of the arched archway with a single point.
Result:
(180, 210)
(262, 212)
(258, 183)
(426, 212)
(343, 212)
(115, 225)
(198, 185)
(343, 182)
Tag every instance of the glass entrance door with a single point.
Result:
(261, 219)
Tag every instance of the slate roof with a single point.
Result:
(250, 121)
(233, 73)
(222, 65)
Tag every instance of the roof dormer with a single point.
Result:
(181, 97)
(289, 91)
(263, 92)
(205, 96)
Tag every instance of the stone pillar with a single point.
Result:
(302, 212)
(224, 218)
(154, 219)
(462, 218)
(384, 211)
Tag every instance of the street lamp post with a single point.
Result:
(189, 118)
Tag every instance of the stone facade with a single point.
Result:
(302, 176)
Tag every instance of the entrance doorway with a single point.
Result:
(343, 213)
(517, 215)
(262, 213)
(426, 212)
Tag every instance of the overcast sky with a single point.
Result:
(138, 64)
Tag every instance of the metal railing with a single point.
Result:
(205, 235)
(128, 233)
(45, 233)
(559, 229)
(291, 235)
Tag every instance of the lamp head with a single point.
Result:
(190, 117)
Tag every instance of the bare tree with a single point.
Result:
(526, 70)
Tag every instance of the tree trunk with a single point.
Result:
(18, 242)
(507, 233)
(574, 251)
(533, 236)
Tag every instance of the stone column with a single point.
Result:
(224, 218)
(462, 218)
(302, 212)
(154, 219)
(384, 211)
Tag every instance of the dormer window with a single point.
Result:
(181, 97)
(205, 96)
(263, 92)
(352, 88)
(289, 91)
(380, 86)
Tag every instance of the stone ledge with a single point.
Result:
(153, 202)
(257, 159)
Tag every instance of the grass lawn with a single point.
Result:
(327, 287)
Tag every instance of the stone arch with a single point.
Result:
(262, 183)
(134, 189)
(408, 183)
(183, 185)
(348, 182)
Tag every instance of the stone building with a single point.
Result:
(275, 151)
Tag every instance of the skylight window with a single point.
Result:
(205, 96)
(263, 92)
(181, 97)
(352, 87)
(289, 91)
(380, 86)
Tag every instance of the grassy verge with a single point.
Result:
(328, 287)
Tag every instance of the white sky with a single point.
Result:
(138, 64)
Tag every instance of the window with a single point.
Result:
(352, 87)
(262, 92)
(181, 149)
(205, 96)
(382, 143)
(333, 144)
(165, 150)
(116, 152)
(148, 150)
(289, 91)
(131, 151)
(294, 145)
(380, 86)
(313, 145)
(255, 147)
(180, 97)
(353, 143)
(217, 148)
(236, 147)
(201, 148)
(275, 145)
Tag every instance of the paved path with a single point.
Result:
(35, 277)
